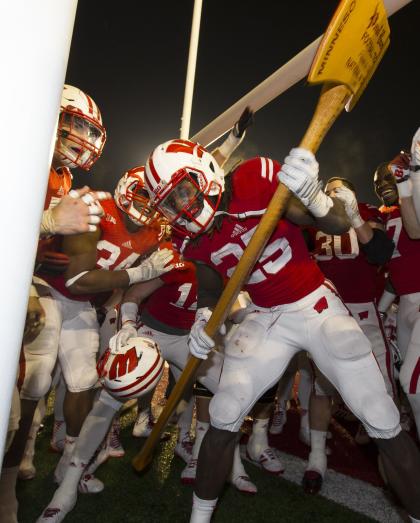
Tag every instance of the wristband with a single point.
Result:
(319, 204)
(129, 311)
(47, 223)
(230, 144)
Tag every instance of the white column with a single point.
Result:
(35, 38)
(192, 61)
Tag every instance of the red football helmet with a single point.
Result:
(185, 184)
(132, 371)
(80, 133)
(132, 198)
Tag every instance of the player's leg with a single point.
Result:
(343, 354)
(77, 356)
(26, 468)
(58, 435)
(95, 428)
(255, 359)
(284, 392)
(409, 344)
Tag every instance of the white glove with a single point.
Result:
(127, 331)
(152, 267)
(415, 150)
(299, 173)
(348, 197)
(400, 168)
(199, 342)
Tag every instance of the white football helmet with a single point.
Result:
(181, 176)
(80, 133)
(132, 371)
(133, 199)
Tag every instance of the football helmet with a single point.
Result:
(185, 184)
(80, 133)
(132, 371)
(133, 199)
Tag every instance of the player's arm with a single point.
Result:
(82, 277)
(334, 222)
(409, 217)
(415, 172)
(222, 153)
(371, 235)
(311, 206)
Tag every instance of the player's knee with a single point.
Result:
(82, 381)
(380, 416)
(37, 382)
(225, 411)
(344, 340)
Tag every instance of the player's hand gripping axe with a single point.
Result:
(353, 45)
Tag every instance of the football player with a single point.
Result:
(393, 186)
(354, 256)
(293, 306)
(79, 143)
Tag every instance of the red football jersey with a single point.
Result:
(344, 263)
(285, 271)
(117, 248)
(404, 264)
(175, 303)
(59, 184)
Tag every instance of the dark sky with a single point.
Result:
(131, 57)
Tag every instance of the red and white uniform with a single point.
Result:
(343, 262)
(71, 331)
(404, 275)
(166, 317)
(292, 310)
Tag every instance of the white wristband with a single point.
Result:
(357, 221)
(129, 311)
(47, 223)
(230, 144)
(320, 204)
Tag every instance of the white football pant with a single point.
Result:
(261, 348)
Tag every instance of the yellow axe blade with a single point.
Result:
(357, 38)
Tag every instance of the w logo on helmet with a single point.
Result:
(124, 364)
(185, 146)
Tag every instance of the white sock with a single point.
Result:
(237, 466)
(63, 464)
(94, 430)
(304, 421)
(201, 429)
(184, 420)
(414, 400)
(258, 441)
(202, 509)
(317, 457)
(8, 501)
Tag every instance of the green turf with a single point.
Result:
(158, 496)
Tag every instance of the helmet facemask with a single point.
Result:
(189, 202)
(80, 139)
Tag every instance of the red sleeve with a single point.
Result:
(370, 213)
(255, 180)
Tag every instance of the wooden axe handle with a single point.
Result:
(330, 105)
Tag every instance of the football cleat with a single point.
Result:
(90, 485)
(143, 425)
(189, 473)
(244, 485)
(312, 482)
(267, 461)
(278, 421)
(183, 449)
